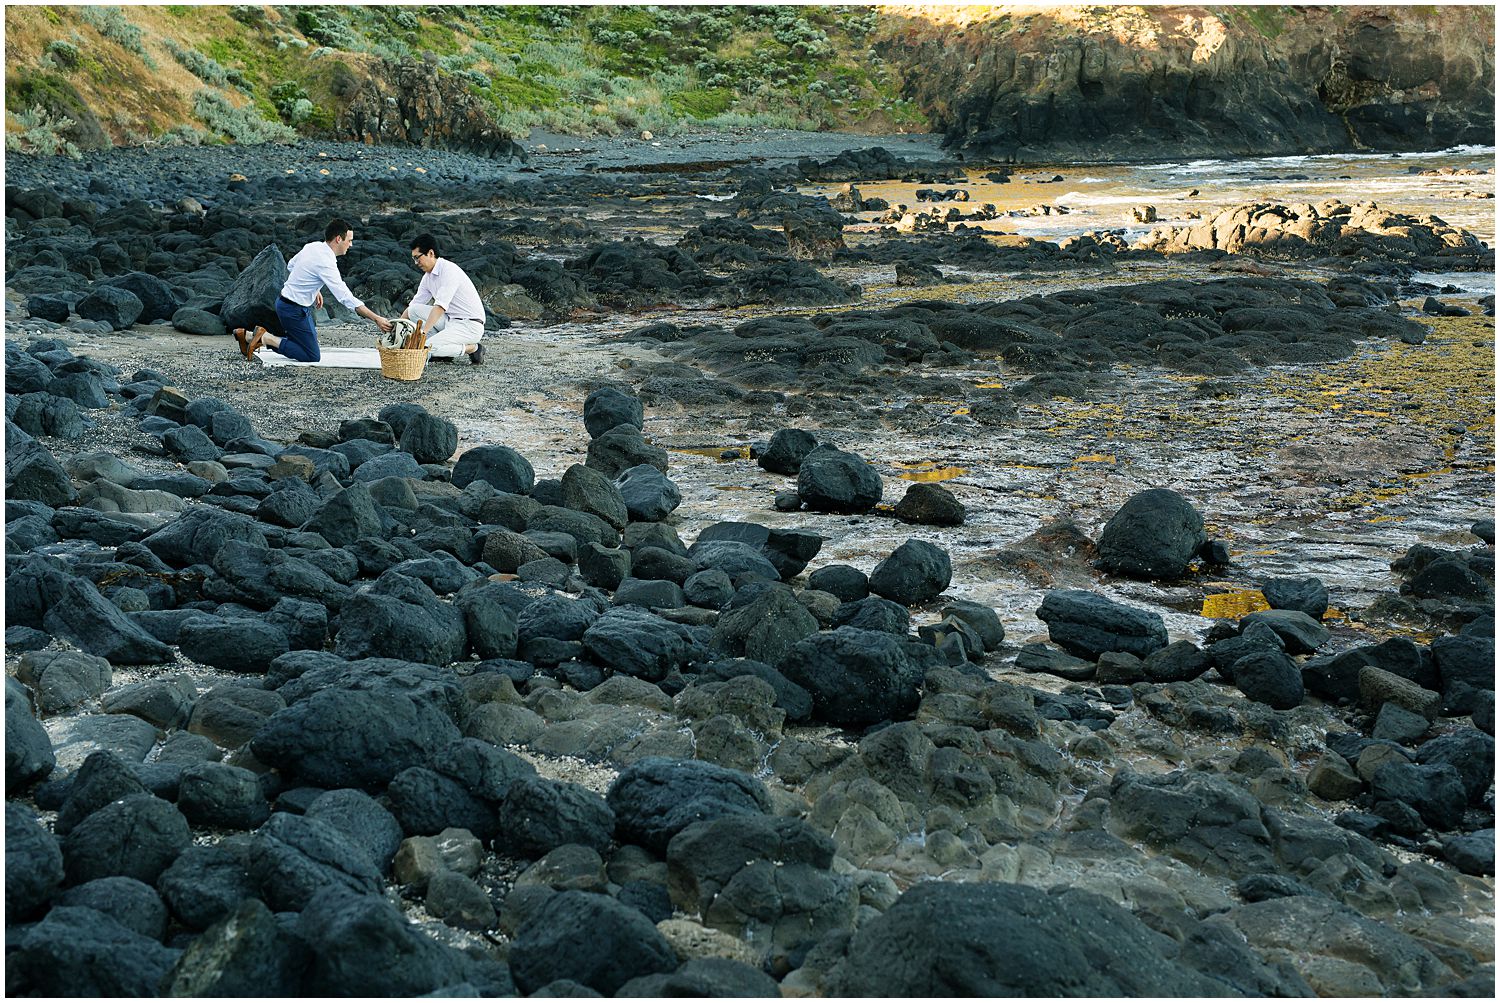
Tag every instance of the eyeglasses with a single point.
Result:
(415, 258)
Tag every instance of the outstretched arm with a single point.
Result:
(371, 315)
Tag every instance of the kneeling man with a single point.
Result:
(454, 321)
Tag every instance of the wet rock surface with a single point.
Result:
(698, 651)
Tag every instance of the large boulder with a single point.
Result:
(63, 679)
(1269, 677)
(830, 480)
(358, 737)
(1153, 535)
(635, 642)
(1307, 595)
(429, 438)
(590, 491)
(649, 494)
(945, 939)
(617, 450)
(245, 953)
(588, 939)
(426, 803)
(158, 301)
(739, 561)
(191, 320)
(33, 473)
(136, 837)
(238, 645)
(261, 577)
(915, 572)
(1300, 634)
(33, 863)
(28, 750)
(400, 617)
(1434, 790)
(539, 815)
(80, 614)
(119, 308)
(607, 408)
(80, 952)
(763, 879)
(856, 677)
(930, 505)
(501, 467)
(363, 821)
(251, 300)
(361, 945)
(196, 536)
(764, 625)
(786, 451)
(347, 516)
(291, 858)
(788, 550)
(221, 796)
(1202, 820)
(655, 798)
(1336, 948)
(1087, 625)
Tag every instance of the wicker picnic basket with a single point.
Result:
(403, 363)
(408, 361)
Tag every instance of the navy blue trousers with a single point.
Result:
(299, 339)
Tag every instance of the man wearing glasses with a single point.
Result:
(311, 269)
(455, 320)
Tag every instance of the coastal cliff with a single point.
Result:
(1105, 83)
(1003, 81)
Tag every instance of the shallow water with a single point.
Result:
(1100, 197)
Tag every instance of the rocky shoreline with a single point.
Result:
(643, 660)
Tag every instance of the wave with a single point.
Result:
(1472, 283)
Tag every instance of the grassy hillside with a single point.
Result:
(89, 76)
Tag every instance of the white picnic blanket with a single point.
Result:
(333, 358)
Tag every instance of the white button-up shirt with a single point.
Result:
(310, 270)
(448, 287)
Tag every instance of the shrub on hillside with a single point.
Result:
(63, 53)
(199, 65)
(41, 134)
(326, 26)
(112, 23)
(242, 125)
(183, 135)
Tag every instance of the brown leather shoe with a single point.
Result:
(241, 336)
(255, 343)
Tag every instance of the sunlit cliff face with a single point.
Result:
(1131, 25)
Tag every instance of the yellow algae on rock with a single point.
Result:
(1233, 605)
(928, 470)
(715, 452)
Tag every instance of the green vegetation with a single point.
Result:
(112, 23)
(42, 134)
(240, 125)
(205, 69)
(1270, 22)
(572, 69)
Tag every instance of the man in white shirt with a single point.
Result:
(311, 269)
(455, 320)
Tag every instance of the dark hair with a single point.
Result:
(424, 242)
(336, 228)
